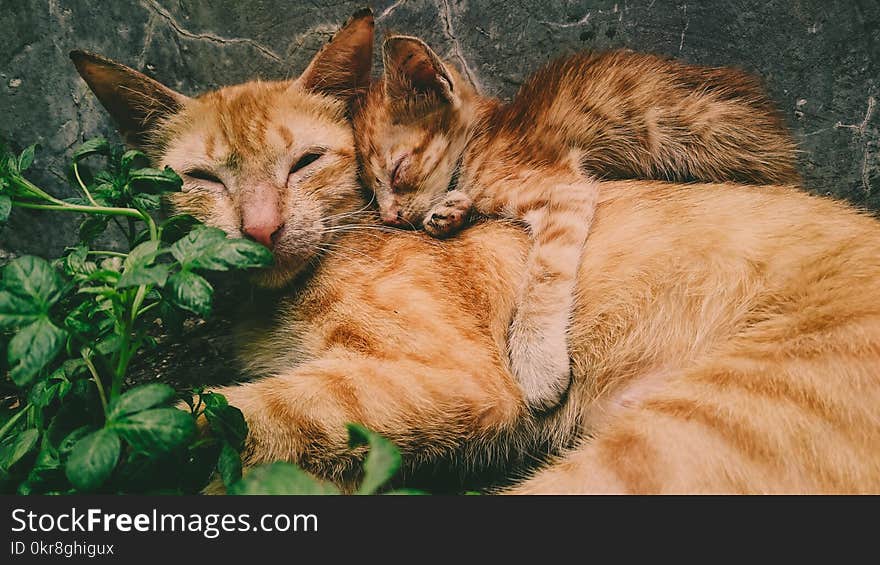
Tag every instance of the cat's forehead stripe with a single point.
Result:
(249, 117)
(285, 134)
(210, 141)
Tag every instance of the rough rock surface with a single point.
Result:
(820, 61)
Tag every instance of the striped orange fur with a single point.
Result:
(724, 338)
(715, 350)
(617, 114)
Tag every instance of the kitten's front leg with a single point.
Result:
(538, 345)
(537, 340)
(447, 217)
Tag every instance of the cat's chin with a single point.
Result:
(284, 272)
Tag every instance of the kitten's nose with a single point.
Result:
(263, 233)
(391, 216)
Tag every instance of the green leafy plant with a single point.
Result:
(69, 420)
(72, 327)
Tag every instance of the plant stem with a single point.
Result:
(108, 253)
(97, 379)
(121, 369)
(138, 300)
(147, 308)
(154, 230)
(66, 206)
(82, 185)
(11, 422)
(94, 209)
(125, 352)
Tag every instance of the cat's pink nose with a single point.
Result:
(266, 234)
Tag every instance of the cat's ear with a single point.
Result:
(411, 67)
(342, 67)
(134, 100)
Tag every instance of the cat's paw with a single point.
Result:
(540, 362)
(448, 216)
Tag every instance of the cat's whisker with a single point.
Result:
(365, 212)
(340, 250)
(366, 229)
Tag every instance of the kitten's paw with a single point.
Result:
(540, 362)
(449, 216)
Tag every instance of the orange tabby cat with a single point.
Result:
(725, 338)
(424, 129)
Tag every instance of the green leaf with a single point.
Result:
(16, 311)
(177, 226)
(81, 409)
(139, 399)
(154, 180)
(80, 319)
(32, 348)
(104, 275)
(226, 421)
(108, 345)
(208, 248)
(95, 146)
(47, 458)
(382, 462)
(155, 275)
(34, 278)
(5, 208)
(105, 193)
(138, 267)
(92, 227)
(156, 431)
(69, 369)
(93, 459)
(130, 157)
(75, 261)
(24, 443)
(8, 163)
(191, 292)
(66, 445)
(280, 478)
(43, 393)
(147, 202)
(143, 253)
(26, 158)
(229, 465)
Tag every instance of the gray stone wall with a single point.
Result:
(819, 59)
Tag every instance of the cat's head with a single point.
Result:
(411, 130)
(273, 161)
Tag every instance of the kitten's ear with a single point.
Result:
(342, 67)
(135, 101)
(411, 67)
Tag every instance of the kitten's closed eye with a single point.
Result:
(397, 174)
(306, 160)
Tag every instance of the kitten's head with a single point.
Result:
(411, 130)
(271, 161)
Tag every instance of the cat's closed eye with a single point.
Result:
(306, 160)
(205, 177)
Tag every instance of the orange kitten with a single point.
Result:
(434, 151)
